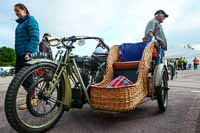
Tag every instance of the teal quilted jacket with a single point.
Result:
(26, 35)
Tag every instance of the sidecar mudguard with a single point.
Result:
(158, 74)
(68, 91)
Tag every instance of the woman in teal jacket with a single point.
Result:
(26, 35)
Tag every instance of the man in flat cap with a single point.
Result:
(154, 29)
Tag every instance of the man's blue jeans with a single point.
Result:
(161, 54)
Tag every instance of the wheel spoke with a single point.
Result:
(55, 101)
(46, 107)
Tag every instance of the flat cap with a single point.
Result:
(161, 12)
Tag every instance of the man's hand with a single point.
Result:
(27, 56)
(157, 45)
(145, 38)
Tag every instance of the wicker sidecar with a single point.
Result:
(149, 81)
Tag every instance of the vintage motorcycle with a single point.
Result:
(48, 87)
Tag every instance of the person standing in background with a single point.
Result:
(44, 46)
(154, 29)
(189, 66)
(195, 63)
(179, 64)
(184, 63)
(176, 62)
(26, 35)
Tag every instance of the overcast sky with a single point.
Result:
(117, 21)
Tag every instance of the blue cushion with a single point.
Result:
(132, 51)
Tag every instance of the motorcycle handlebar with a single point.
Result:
(73, 39)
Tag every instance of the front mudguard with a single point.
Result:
(158, 71)
(67, 100)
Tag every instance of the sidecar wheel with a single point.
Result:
(162, 89)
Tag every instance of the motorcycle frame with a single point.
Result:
(66, 67)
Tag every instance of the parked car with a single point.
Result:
(7, 71)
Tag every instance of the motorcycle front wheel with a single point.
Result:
(28, 108)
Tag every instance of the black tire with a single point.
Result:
(162, 91)
(10, 102)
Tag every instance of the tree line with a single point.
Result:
(7, 56)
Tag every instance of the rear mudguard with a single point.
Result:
(158, 74)
(68, 91)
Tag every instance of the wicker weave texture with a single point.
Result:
(122, 99)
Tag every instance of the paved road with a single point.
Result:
(182, 115)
